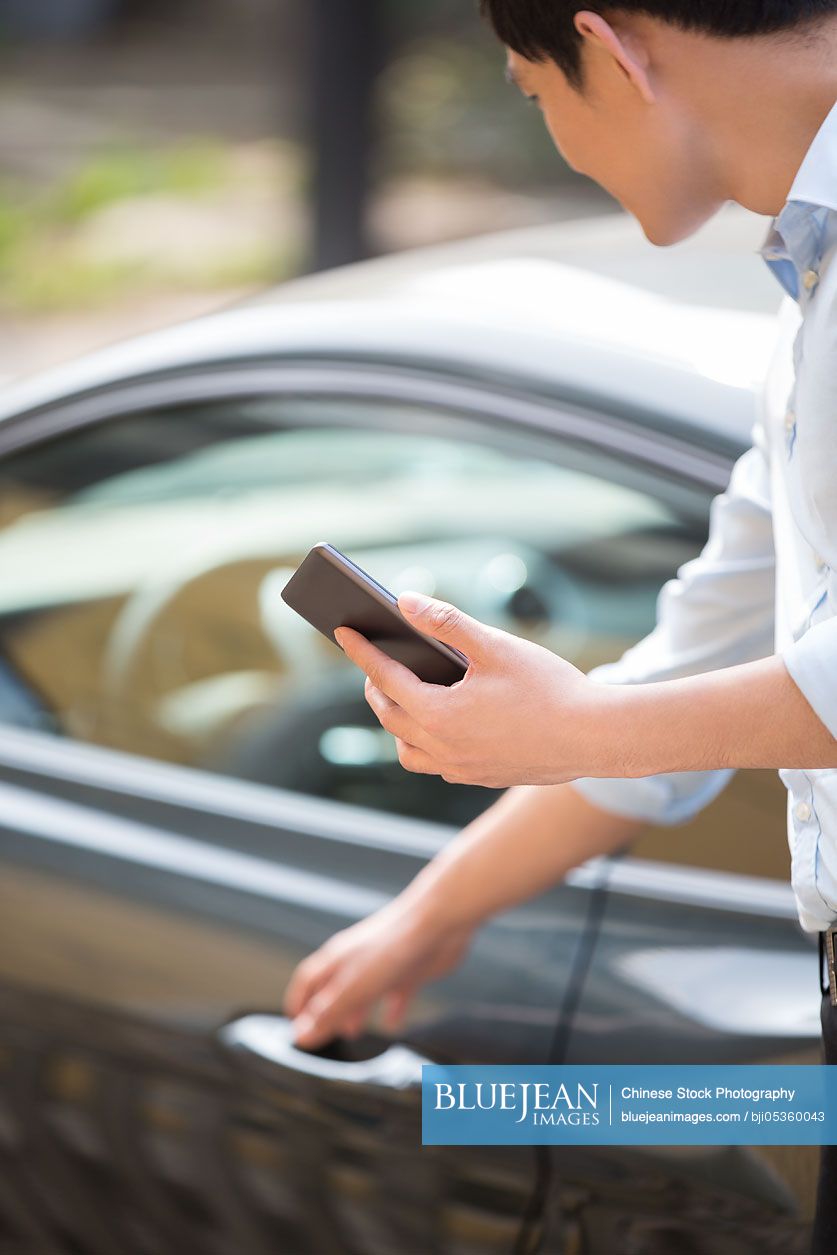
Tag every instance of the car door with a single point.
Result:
(195, 795)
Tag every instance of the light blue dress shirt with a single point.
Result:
(766, 581)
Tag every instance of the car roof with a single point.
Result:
(587, 309)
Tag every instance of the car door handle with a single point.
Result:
(267, 1041)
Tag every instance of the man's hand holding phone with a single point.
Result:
(465, 701)
(520, 714)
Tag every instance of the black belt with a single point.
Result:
(828, 979)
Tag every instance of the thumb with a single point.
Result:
(446, 623)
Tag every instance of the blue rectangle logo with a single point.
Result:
(629, 1105)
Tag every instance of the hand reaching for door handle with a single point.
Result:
(388, 955)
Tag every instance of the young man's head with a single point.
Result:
(676, 106)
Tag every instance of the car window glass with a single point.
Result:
(141, 562)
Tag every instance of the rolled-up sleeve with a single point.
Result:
(716, 612)
(812, 663)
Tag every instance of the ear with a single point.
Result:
(629, 54)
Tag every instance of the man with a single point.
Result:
(675, 107)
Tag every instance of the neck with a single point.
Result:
(761, 162)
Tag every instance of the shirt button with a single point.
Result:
(802, 811)
(790, 420)
(810, 279)
(819, 562)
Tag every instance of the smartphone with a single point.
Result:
(331, 591)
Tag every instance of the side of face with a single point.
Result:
(631, 127)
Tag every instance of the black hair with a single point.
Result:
(543, 30)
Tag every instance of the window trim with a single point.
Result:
(326, 379)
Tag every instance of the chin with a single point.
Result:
(667, 230)
(662, 234)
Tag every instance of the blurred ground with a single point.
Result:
(160, 170)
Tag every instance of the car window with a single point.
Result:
(141, 563)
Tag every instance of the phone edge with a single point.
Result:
(356, 573)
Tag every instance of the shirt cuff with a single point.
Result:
(812, 663)
(672, 797)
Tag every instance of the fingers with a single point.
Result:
(395, 1007)
(412, 758)
(326, 996)
(414, 746)
(317, 1025)
(446, 623)
(391, 677)
(395, 720)
(308, 976)
(355, 1022)
(336, 1005)
(312, 1026)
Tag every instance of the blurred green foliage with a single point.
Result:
(188, 170)
(44, 265)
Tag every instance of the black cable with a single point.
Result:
(559, 1045)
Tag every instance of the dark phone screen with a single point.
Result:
(330, 591)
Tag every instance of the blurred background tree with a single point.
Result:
(162, 157)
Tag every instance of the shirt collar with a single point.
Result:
(816, 178)
(796, 238)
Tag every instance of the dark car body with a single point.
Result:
(194, 794)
